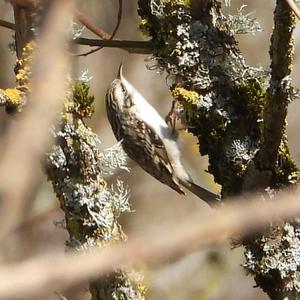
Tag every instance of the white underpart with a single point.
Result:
(146, 112)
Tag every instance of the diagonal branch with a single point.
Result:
(55, 272)
(294, 8)
(89, 25)
(8, 25)
(104, 34)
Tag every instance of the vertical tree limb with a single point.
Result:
(76, 168)
(24, 21)
(279, 92)
(238, 120)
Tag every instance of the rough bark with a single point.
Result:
(76, 168)
(238, 116)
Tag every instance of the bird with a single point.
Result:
(147, 139)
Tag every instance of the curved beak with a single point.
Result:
(120, 71)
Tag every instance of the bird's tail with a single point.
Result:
(207, 196)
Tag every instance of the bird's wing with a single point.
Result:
(152, 142)
(144, 145)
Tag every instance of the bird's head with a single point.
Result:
(120, 92)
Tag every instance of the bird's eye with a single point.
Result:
(123, 88)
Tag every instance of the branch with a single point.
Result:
(57, 271)
(93, 207)
(27, 139)
(106, 36)
(294, 8)
(89, 25)
(8, 25)
(141, 47)
(224, 102)
(279, 91)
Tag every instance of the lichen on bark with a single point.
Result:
(201, 56)
(28, 21)
(229, 106)
(77, 170)
(14, 99)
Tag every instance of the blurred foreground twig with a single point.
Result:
(27, 139)
(294, 7)
(48, 273)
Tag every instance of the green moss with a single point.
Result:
(83, 101)
(218, 133)
(151, 23)
(252, 97)
(286, 172)
(74, 227)
(186, 3)
(145, 27)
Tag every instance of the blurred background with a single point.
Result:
(214, 273)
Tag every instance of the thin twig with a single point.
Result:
(8, 25)
(143, 47)
(37, 218)
(119, 18)
(294, 7)
(61, 296)
(57, 271)
(89, 25)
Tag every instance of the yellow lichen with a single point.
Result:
(145, 27)
(103, 183)
(65, 116)
(287, 171)
(14, 97)
(185, 96)
(186, 3)
(24, 67)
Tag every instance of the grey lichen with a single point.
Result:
(122, 288)
(78, 170)
(236, 112)
(279, 253)
(76, 30)
(74, 167)
(243, 23)
(113, 159)
(221, 95)
(240, 152)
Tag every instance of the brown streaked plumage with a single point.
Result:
(147, 139)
